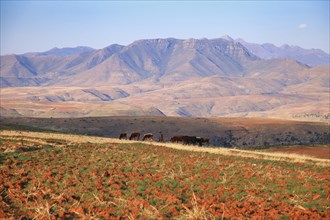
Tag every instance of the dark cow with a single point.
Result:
(202, 140)
(135, 136)
(148, 136)
(206, 141)
(189, 140)
(123, 136)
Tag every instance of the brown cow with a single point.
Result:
(148, 136)
(135, 136)
(176, 139)
(123, 136)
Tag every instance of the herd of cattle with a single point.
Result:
(187, 140)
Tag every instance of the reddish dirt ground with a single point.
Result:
(318, 151)
(62, 180)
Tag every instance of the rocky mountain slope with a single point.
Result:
(161, 60)
(165, 60)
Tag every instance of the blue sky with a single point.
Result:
(31, 26)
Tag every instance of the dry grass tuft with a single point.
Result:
(196, 212)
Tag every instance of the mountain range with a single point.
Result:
(190, 77)
(311, 57)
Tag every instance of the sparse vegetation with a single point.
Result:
(70, 176)
(227, 132)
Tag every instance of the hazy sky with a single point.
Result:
(31, 26)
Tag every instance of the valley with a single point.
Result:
(225, 132)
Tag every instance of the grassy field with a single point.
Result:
(48, 175)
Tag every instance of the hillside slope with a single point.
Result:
(298, 93)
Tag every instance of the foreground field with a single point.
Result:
(45, 175)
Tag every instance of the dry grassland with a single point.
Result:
(41, 137)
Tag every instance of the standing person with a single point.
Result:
(161, 137)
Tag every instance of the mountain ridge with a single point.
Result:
(311, 57)
(65, 51)
(172, 77)
(155, 58)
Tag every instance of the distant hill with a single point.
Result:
(66, 51)
(311, 57)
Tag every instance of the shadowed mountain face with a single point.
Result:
(204, 78)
